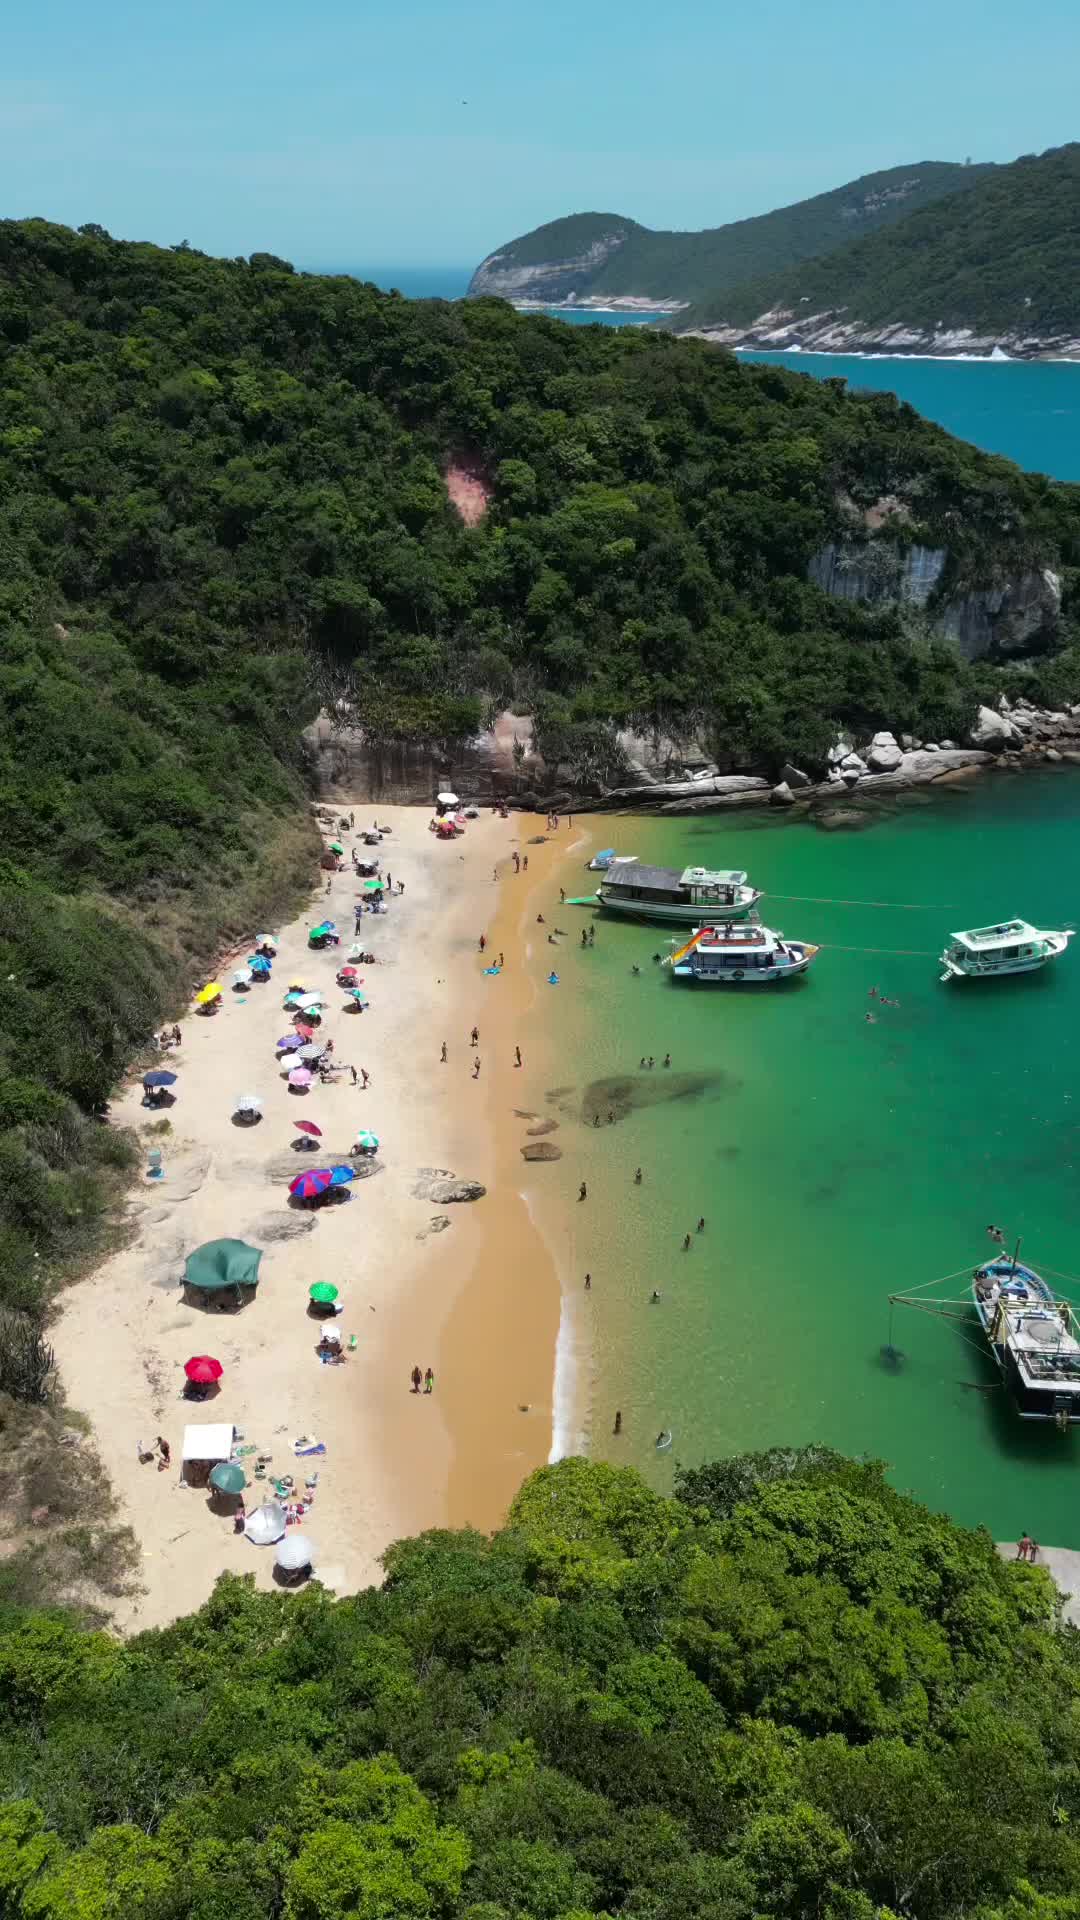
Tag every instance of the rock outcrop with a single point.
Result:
(997, 620)
(783, 331)
(884, 755)
(548, 283)
(995, 731)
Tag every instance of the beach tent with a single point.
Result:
(265, 1525)
(204, 1447)
(221, 1264)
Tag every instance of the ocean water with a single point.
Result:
(835, 1160)
(1027, 410)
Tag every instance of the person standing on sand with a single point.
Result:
(701, 1224)
(476, 1068)
(517, 1056)
(562, 896)
(502, 962)
(474, 1037)
(165, 1451)
(637, 1178)
(588, 1283)
(482, 942)
(352, 1070)
(583, 1192)
(442, 1056)
(429, 1381)
(416, 1377)
(687, 1243)
(618, 1420)
(525, 864)
(365, 1078)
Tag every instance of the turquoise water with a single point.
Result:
(835, 1160)
(1029, 411)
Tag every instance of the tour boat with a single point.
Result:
(982, 953)
(749, 956)
(1033, 1337)
(663, 893)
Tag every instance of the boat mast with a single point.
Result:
(1016, 1256)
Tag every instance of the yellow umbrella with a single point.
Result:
(210, 992)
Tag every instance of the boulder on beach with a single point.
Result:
(781, 795)
(541, 1150)
(793, 776)
(994, 731)
(884, 755)
(543, 1126)
(446, 1192)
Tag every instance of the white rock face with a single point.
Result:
(994, 730)
(839, 753)
(884, 755)
(794, 776)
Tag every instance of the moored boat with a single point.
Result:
(736, 955)
(607, 857)
(1012, 946)
(1033, 1336)
(664, 893)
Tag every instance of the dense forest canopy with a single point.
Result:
(696, 266)
(789, 1692)
(222, 497)
(1001, 258)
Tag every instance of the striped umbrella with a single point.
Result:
(309, 1184)
(311, 1052)
(366, 1141)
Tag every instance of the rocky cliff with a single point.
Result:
(546, 283)
(1014, 615)
(783, 330)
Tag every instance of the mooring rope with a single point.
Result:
(899, 906)
(905, 953)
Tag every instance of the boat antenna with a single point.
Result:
(1016, 1255)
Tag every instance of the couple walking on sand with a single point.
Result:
(427, 1379)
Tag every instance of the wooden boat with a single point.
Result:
(740, 956)
(663, 893)
(1012, 946)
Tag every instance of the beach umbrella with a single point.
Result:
(347, 973)
(228, 1477)
(222, 1263)
(372, 886)
(242, 977)
(202, 1368)
(367, 1142)
(259, 964)
(294, 1553)
(266, 1524)
(211, 991)
(159, 1078)
(341, 1176)
(310, 1002)
(322, 1293)
(248, 1103)
(289, 1042)
(308, 1126)
(300, 1077)
(266, 940)
(336, 846)
(359, 996)
(446, 800)
(309, 1184)
(311, 1052)
(356, 951)
(303, 1031)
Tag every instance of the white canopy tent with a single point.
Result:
(204, 1446)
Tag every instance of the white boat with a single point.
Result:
(606, 858)
(663, 893)
(1033, 1338)
(748, 956)
(1012, 946)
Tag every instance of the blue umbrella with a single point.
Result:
(159, 1079)
(341, 1176)
(258, 964)
(290, 1042)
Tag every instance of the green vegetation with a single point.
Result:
(1001, 258)
(697, 266)
(222, 501)
(791, 1692)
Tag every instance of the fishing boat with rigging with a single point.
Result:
(1012, 946)
(730, 955)
(688, 897)
(1033, 1335)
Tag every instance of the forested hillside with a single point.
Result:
(603, 254)
(789, 1693)
(222, 498)
(1003, 258)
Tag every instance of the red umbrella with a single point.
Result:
(203, 1370)
(308, 1032)
(308, 1126)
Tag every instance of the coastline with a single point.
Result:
(394, 1463)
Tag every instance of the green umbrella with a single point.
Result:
(228, 1477)
(322, 1293)
(222, 1263)
(372, 886)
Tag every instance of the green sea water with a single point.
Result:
(834, 1159)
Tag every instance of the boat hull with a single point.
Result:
(675, 914)
(787, 968)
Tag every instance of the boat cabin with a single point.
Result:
(695, 886)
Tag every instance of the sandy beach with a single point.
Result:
(468, 1289)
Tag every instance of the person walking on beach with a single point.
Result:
(352, 1070)
(442, 1056)
(429, 1381)
(517, 861)
(562, 896)
(1025, 1547)
(416, 1376)
(686, 1244)
(476, 1068)
(637, 1178)
(666, 1061)
(588, 1283)
(474, 1037)
(517, 1056)
(482, 942)
(618, 1420)
(365, 1079)
(701, 1224)
(165, 1451)
(525, 864)
(502, 962)
(583, 1192)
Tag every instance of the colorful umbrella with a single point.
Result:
(293, 997)
(359, 996)
(300, 1077)
(347, 973)
(289, 1042)
(303, 1031)
(372, 886)
(228, 1477)
(248, 1103)
(366, 1141)
(159, 1078)
(203, 1369)
(311, 1052)
(309, 1184)
(336, 846)
(341, 1176)
(259, 964)
(212, 991)
(322, 1293)
(308, 1126)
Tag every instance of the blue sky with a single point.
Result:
(418, 133)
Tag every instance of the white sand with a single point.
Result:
(125, 1333)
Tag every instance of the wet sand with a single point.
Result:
(475, 1298)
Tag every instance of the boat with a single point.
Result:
(738, 955)
(1032, 1333)
(1012, 946)
(663, 893)
(606, 858)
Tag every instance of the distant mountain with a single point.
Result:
(598, 258)
(995, 267)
